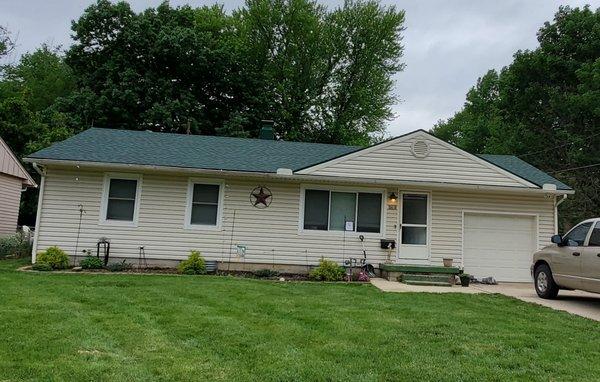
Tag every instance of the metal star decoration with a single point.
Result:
(261, 197)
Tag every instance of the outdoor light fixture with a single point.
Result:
(393, 198)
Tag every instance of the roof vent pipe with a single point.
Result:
(266, 131)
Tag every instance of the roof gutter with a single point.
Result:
(292, 177)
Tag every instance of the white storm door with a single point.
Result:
(414, 227)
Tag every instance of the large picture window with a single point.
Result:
(120, 199)
(204, 204)
(326, 210)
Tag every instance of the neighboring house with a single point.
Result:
(13, 180)
(264, 202)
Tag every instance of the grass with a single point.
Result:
(149, 328)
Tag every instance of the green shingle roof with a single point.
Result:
(189, 151)
(225, 153)
(523, 169)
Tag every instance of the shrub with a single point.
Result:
(54, 257)
(41, 267)
(91, 262)
(194, 265)
(328, 271)
(16, 245)
(118, 267)
(266, 273)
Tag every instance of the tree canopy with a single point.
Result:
(545, 108)
(321, 75)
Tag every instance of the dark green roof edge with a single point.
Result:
(524, 170)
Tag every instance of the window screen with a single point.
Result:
(414, 209)
(316, 209)
(343, 209)
(121, 199)
(369, 212)
(576, 237)
(205, 204)
(595, 236)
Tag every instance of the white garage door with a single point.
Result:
(499, 245)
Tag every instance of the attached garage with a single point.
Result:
(499, 245)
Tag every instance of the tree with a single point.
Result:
(321, 75)
(28, 120)
(6, 43)
(544, 108)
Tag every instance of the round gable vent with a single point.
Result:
(420, 149)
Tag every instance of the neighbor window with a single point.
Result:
(326, 210)
(203, 204)
(121, 194)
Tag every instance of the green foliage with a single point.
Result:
(91, 262)
(327, 270)
(54, 257)
(14, 246)
(6, 43)
(118, 266)
(41, 267)
(266, 273)
(543, 107)
(194, 265)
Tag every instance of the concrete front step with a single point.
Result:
(425, 278)
(430, 283)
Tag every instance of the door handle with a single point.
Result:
(576, 253)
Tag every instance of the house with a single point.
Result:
(13, 180)
(258, 203)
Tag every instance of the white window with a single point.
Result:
(120, 199)
(204, 204)
(339, 210)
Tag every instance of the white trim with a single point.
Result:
(188, 204)
(505, 213)
(426, 136)
(332, 188)
(401, 225)
(296, 177)
(104, 202)
(38, 219)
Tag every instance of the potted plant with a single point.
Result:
(447, 262)
(465, 279)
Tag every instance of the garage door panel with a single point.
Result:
(499, 245)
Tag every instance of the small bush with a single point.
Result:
(15, 246)
(54, 257)
(328, 271)
(118, 267)
(91, 262)
(41, 267)
(194, 265)
(266, 273)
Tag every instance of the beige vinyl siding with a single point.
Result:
(270, 235)
(10, 197)
(396, 162)
(269, 232)
(448, 207)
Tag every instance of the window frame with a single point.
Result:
(341, 233)
(187, 223)
(587, 235)
(591, 232)
(401, 223)
(104, 201)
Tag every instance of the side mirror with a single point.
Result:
(557, 239)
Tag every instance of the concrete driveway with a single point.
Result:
(577, 302)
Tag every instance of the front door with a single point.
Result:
(414, 227)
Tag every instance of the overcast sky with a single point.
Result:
(448, 43)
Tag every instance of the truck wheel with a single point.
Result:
(544, 283)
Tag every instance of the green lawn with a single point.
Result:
(141, 327)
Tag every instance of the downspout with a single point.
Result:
(42, 172)
(556, 204)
